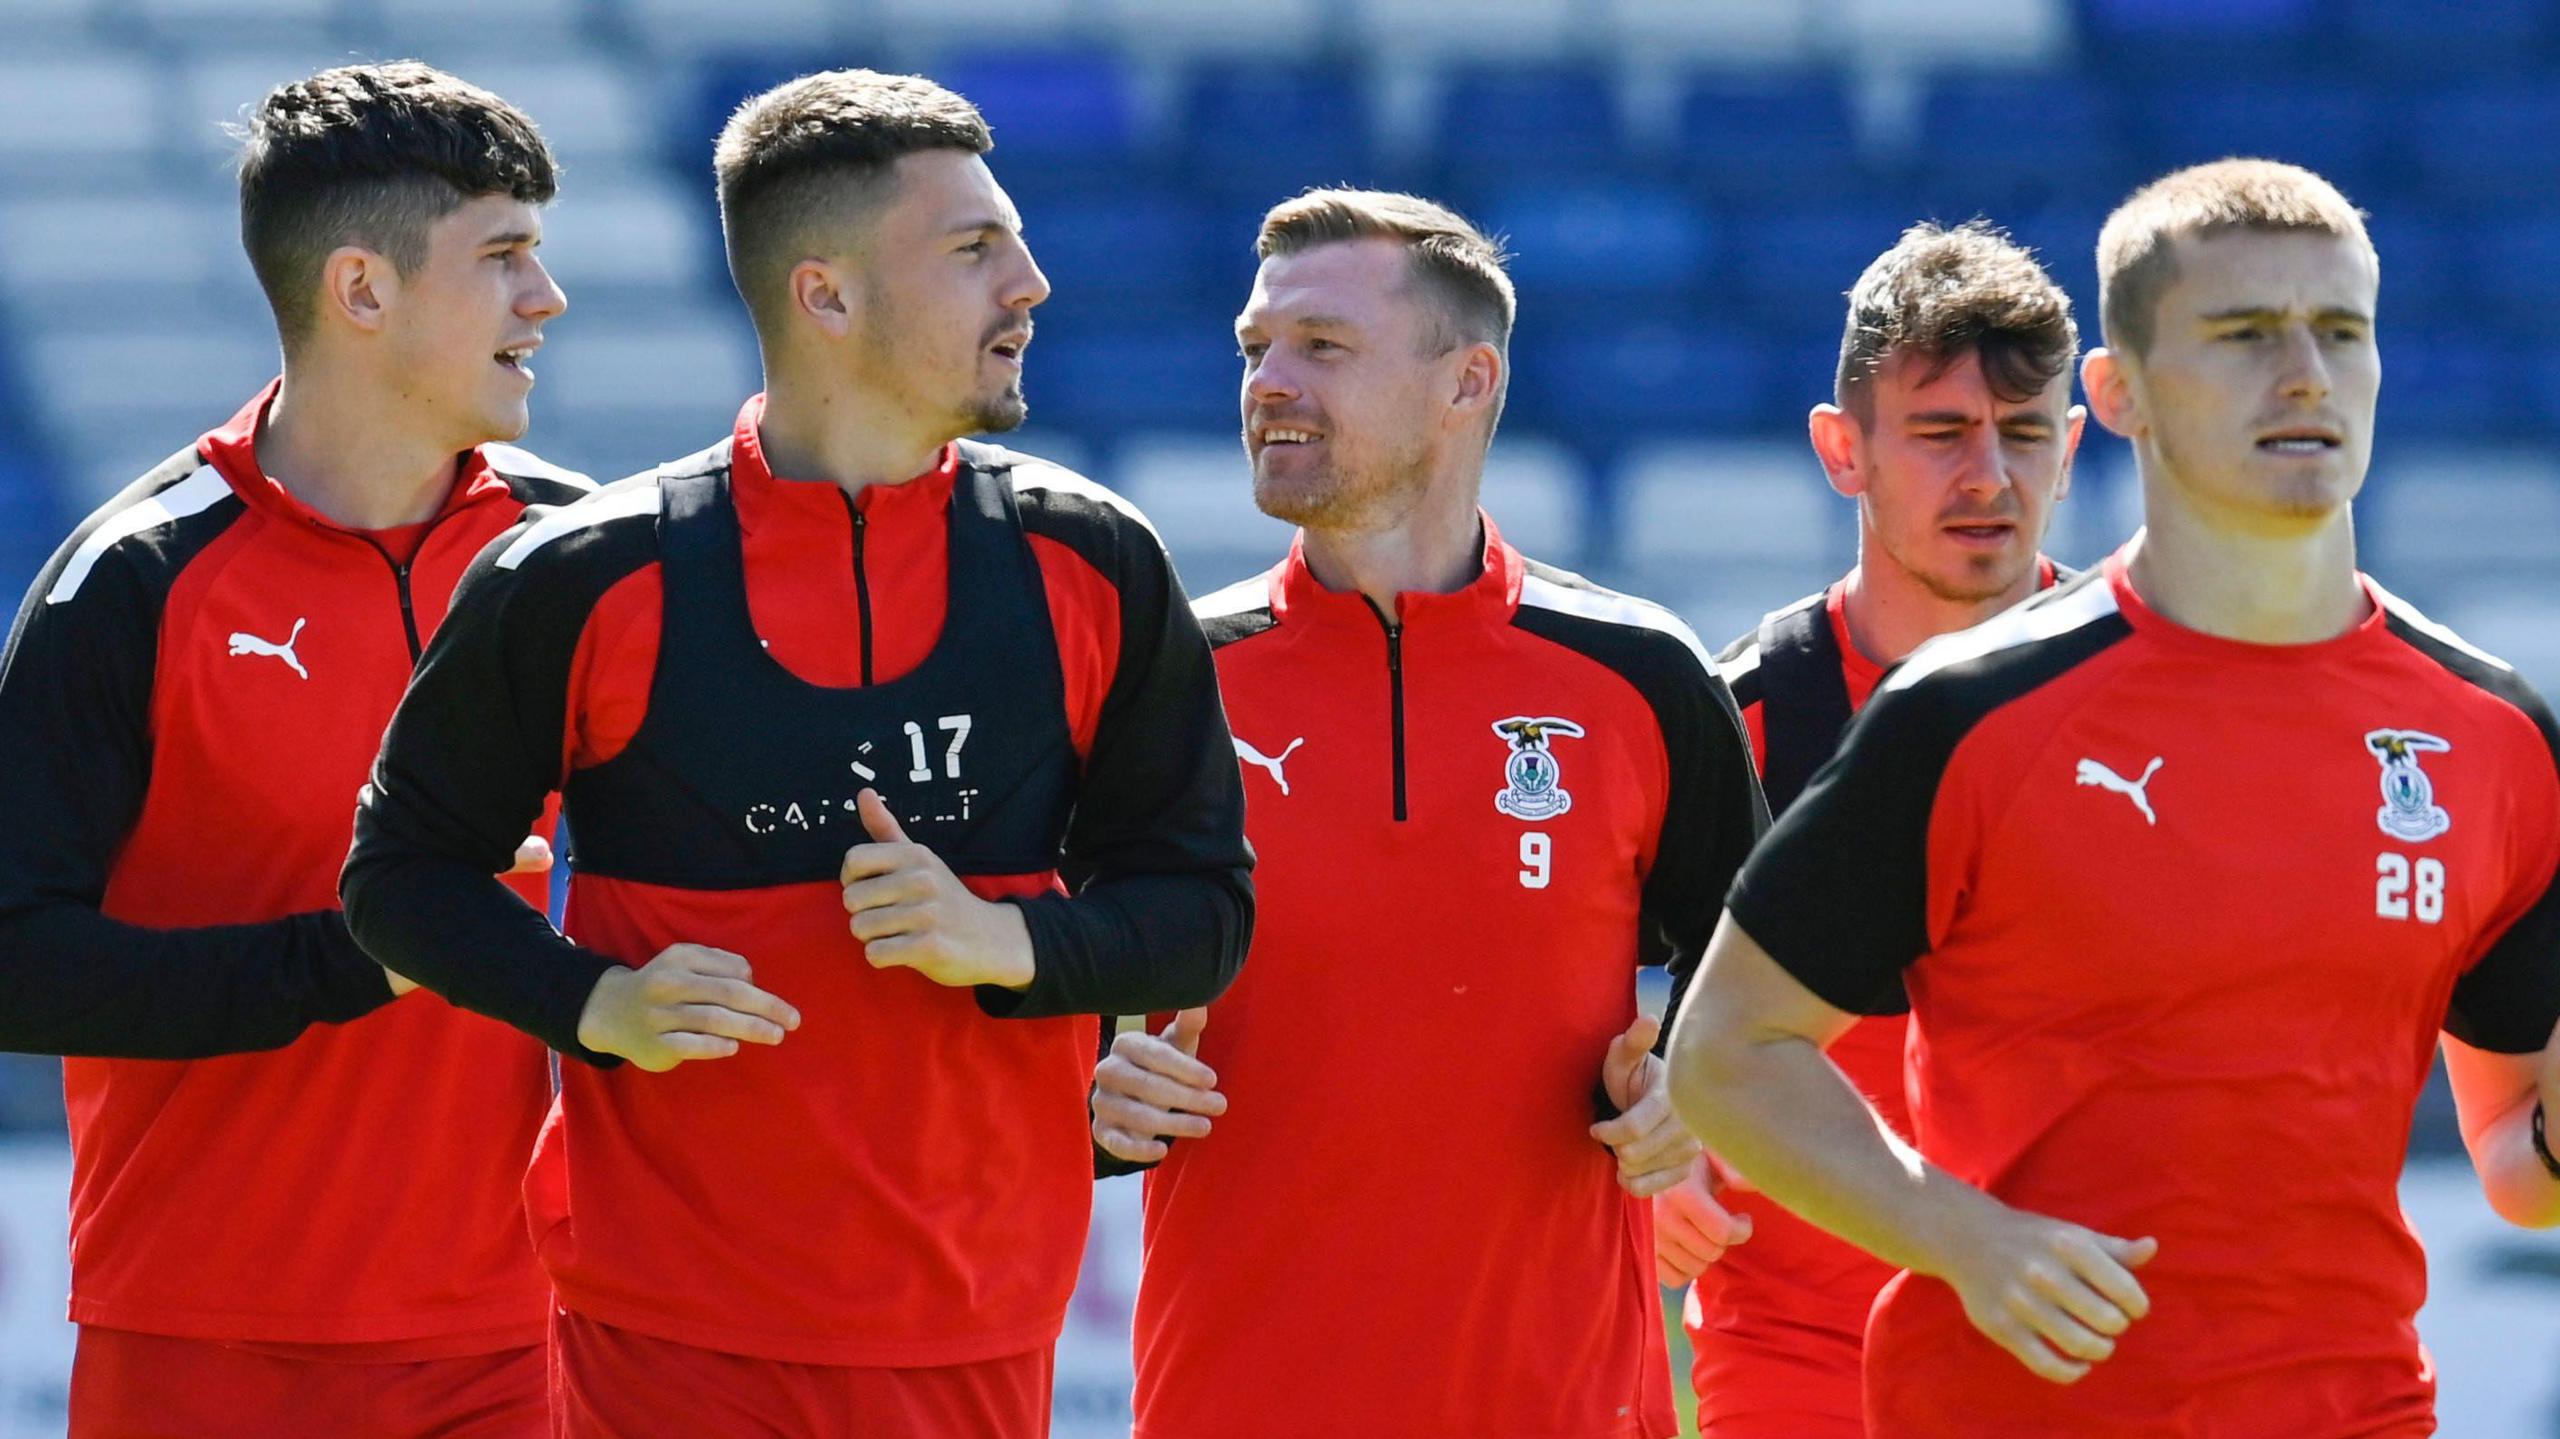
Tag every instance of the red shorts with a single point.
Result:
(126, 1385)
(1782, 1383)
(609, 1383)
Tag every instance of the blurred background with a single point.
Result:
(1689, 186)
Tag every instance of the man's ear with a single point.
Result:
(358, 288)
(2112, 397)
(1838, 443)
(824, 295)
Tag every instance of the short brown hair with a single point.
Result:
(1458, 269)
(372, 155)
(812, 152)
(2136, 264)
(1941, 294)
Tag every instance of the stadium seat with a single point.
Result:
(222, 23)
(2334, 129)
(1502, 120)
(617, 394)
(1592, 385)
(1197, 489)
(596, 113)
(1996, 143)
(1791, 269)
(1258, 132)
(2451, 384)
(1922, 34)
(1570, 240)
(1730, 33)
(1404, 31)
(2425, 267)
(1100, 382)
(1769, 137)
(1141, 252)
(1054, 107)
(2465, 512)
(86, 114)
(644, 237)
(120, 400)
(429, 28)
(2518, 623)
(2488, 143)
(51, 24)
(930, 23)
(2455, 38)
(1539, 494)
(69, 253)
(1180, 29)
(210, 93)
(1753, 523)
(2515, 268)
(2227, 36)
(682, 29)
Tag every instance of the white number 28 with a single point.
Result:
(2400, 886)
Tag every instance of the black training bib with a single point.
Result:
(743, 775)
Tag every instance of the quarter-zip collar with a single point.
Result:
(765, 498)
(232, 449)
(1298, 597)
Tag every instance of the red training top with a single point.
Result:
(1473, 823)
(2180, 918)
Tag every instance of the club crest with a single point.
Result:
(1533, 788)
(2409, 809)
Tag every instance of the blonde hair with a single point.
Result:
(2136, 263)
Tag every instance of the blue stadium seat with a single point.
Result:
(1148, 377)
(2451, 37)
(2515, 270)
(1501, 119)
(1600, 239)
(2332, 128)
(1590, 385)
(1059, 106)
(1791, 270)
(2184, 31)
(2424, 270)
(2457, 385)
(1135, 253)
(1778, 137)
(2487, 142)
(1992, 143)
(1258, 132)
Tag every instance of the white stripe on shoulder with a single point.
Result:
(1613, 608)
(2419, 622)
(1235, 599)
(193, 495)
(2026, 624)
(510, 460)
(595, 510)
(1745, 661)
(1033, 473)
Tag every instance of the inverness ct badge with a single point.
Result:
(2409, 809)
(1532, 790)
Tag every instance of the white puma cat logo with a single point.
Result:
(245, 643)
(1271, 762)
(2092, 772)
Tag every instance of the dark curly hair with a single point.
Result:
(1942, 294)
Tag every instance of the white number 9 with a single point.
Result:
(1535, 857)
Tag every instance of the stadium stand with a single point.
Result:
(1689, 188)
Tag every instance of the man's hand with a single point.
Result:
(691, 1002)
(1653, 1150)
(910, 911)
(2035, 1285)
(1691, 1229)
(1152, 1088)
(532, 857)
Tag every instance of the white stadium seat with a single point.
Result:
(1537, 492)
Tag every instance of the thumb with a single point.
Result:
(533, 856)
(876, 819)
(1626, 1058)
(1184, 1032)
(2131, 1253)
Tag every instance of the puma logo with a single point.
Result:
(1271, 762)
(244, 643)
(2092, 772)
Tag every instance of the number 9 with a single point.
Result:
(1535, 857)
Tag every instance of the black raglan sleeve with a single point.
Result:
(471, 756)
(2508, 1001)
(1160, 894)
(76, 685)
(1715, 816)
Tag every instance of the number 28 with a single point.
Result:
(2393, 896)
